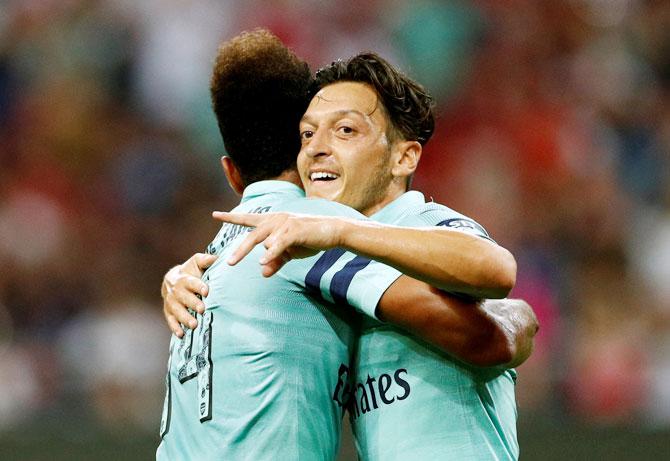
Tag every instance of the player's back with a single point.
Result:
(255, 380)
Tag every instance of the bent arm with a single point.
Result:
(447, 259)
(492, 333)
(486, 334)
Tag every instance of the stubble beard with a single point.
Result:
(376, 190)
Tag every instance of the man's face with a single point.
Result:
(345, 154)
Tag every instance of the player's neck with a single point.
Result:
(291, 176)
(394, 191)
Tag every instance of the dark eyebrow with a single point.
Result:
(340, 113)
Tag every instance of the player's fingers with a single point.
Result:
(192, 285)
(276, 243)
(174, 326)
(204, 260)
(189, 269)
(273, 266)
(243, 219)
(254, 238)
(188, 283)
(184, 317)
(277, 247)
(184, 300)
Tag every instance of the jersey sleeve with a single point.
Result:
(336, 275)
(433, 214)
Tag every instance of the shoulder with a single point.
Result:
(436, 214)
(318, 207)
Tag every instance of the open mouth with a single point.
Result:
(319, 176)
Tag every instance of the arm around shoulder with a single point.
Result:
(445, 258)
(484, 334)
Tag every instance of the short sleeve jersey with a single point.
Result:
(259, 377)
(412, 401)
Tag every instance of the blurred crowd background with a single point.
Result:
(553, 133)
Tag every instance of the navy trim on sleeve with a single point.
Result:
(341, 281)
(315, 274)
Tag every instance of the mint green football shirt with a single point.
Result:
(262, 376)
(411, 401)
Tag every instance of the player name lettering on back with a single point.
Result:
(230, 232)
(372, 393)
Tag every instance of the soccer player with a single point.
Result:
(369, 122)
(260, 316)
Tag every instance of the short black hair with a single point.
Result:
(407, 103)
(260, 90)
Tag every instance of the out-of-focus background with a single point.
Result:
(553, 132)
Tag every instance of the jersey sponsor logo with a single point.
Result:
(369, 395)
(342, 388)
(464, 225)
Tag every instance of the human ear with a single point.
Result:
(232, 174)
(407, 158)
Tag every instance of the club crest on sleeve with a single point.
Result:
(464, 225)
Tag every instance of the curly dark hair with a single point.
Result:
(407, 103)
(260, 90)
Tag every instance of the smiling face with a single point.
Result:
(346, 154)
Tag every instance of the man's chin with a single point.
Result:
(330, 197)
(322, 193)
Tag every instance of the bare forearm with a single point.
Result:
(461, 328)
(447, 259)
(450, 260)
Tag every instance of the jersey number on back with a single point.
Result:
(191, 366)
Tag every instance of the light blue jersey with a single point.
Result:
(262, 375)
(412, 401)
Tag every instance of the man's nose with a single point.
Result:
(319, 144)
